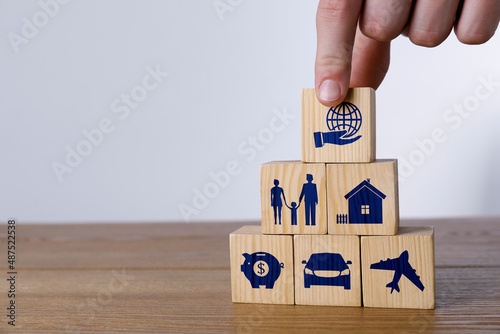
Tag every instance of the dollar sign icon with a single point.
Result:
(260, 268)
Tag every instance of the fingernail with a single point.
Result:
(329, 90)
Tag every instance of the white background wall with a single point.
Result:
(227, 79)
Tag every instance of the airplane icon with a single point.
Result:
(401, 266)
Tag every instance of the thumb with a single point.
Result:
(336, 22)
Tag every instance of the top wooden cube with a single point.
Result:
(344, 133)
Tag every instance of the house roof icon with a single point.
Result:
(368, 185)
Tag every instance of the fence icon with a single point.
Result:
(341, 219)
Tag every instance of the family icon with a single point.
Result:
(309, 194)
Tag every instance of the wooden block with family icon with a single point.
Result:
(293, 198)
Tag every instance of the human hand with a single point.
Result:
(333, 137)
(349, 55)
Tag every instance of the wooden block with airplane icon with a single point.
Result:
(398, 270)
(327, 270)
(344, 133)
(261, 267)
(293, 198)
(363, 198)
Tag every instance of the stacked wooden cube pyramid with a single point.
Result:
(330, 231)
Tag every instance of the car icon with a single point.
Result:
(327, 269)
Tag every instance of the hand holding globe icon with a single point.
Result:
(344, 121)
(345, 116)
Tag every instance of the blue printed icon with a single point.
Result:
(328, 269)
(309, 195)
(365, 205)
(294, 209)
(276, 202)
(261, 268)
(401, 266)
(344, 121)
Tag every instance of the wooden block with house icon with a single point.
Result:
(363, 198)
(293, 198)
(261, 267)
(327, 270)
(344, 133)
(398, 270)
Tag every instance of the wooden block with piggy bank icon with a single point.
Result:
(261, 267)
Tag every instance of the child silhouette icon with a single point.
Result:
(293, 208)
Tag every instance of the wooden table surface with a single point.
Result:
(168, 278)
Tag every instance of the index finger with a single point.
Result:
(336, 22)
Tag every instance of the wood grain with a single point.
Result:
(343, 178)
(314, 116)
(291, 176)
(249, 240)
(348, 246)
(181, 283)
(418, 244)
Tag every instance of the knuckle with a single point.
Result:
(378, 31)
(479, 36)
(398, 7)
(340, 56)
(333, 60)
(334, 9)
(385, 21)
(426, 38)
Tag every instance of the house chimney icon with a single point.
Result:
(368, 180)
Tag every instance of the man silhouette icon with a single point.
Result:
(310, 194)
(276, 203)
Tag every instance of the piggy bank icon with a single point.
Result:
(261, 268)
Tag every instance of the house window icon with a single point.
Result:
(365, 209)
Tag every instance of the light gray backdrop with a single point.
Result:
(124, 110)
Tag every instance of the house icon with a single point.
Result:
(365, 205)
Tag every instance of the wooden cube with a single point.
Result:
(344, 133)
(363, 198)
(261, 267)
(327, 270)
(398, 271)
(293, 198)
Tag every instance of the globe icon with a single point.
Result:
(346, 116)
